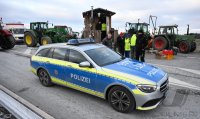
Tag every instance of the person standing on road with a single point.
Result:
(120, 43)
(107, 41)
(141, 43)
(133, 41)
(127, 46)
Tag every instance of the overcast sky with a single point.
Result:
(69, 12)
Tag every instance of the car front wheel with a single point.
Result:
(121, 99)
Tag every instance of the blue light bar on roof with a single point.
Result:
(80, 41)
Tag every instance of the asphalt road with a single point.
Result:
(65, 103)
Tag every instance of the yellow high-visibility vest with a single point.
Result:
(127, 44)
(133, 40)
(103, 27)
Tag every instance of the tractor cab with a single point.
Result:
(135, 27)
(38, 26)
(168, 30)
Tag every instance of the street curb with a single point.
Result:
(26, 103)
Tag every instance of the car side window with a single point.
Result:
(43, 52)
(59, 53)
(50, 54)
(76, 57)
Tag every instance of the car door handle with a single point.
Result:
(69, 65)
(47, 61)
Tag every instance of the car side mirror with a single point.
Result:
(85, 64)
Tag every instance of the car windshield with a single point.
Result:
(18, 31)
(103, 56)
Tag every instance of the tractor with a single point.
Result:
(7, 40)
(168, 38)
(40, 33)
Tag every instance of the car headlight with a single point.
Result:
(147, 88)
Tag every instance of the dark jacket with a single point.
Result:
(107, 42)
(141, 42)
(120, 42)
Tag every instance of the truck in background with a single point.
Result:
(17, 29)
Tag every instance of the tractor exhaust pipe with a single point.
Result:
(188, 29)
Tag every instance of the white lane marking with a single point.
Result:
(28, 51)
(173, 81)
(192, 57)
(184, 69)
(16, 52)
(191, 70)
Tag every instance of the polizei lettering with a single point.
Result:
(152, 72)
(80, 78)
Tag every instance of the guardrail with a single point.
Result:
(19, 107)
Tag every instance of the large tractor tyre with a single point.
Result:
(121, 99)
(45, 40)
(193, 46)
(30, 40)
(8, 42)
(160, 43)
(184, 46)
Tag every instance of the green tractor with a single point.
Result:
(40, 33)
(168, 38)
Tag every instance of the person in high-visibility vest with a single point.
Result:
(103, 27)
(127, 46)
(133, 42)
(103, 30)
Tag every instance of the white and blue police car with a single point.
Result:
(93, 68)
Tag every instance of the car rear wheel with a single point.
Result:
(44, 78)
(121, 99)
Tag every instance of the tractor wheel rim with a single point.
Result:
(28, 39)
(120, 100)
(159, 44)
(183, 47)
(44, 42)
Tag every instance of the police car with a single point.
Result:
(93, 68)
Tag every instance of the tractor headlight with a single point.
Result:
(147, 88)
